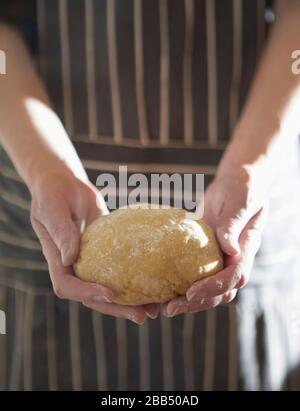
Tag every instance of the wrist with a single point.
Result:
(242, 180)
(252, 152)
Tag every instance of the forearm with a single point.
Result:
(270, 117)
(30, 131)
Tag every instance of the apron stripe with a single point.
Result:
(101, 365)
(23, 264)
(19, 242)
(163, 155)
(188, 351)
(66, 70)
(210, 346)
(233, 350)
(41, 23)
(17, 348)
(187, 72)
(133, 142)
(212, 105)
(14, 199)
(3, 345)
(28, 329)
(121, 331)
(113, 70)
(144, 167)
(75, 346)
(144, 360)
(90, 68)
(247, 316)
(3, 217)
(167, 352)
(260, 26)
(10, 173)
(237, 64)
(51, 344)
(26, 288)
(164, 132)
(139, 72)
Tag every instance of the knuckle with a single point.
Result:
(58, 229)
(220, 285)
(44, 239)
(227, 225)
(65, 247)
(237, 274)
(253, 234)
(239, 277)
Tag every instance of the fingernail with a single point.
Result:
(175, 311)
(136, 321)
(101, 299)
(152, 316)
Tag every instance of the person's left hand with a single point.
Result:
(235, 206)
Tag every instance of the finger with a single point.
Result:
(232, 217)
(99, 206)
(152, 310)
(232, 221)
(183, 306)
(230, 224)
(170, 307)
(218, 284)
(62, 229)
(229, 296)
(237, 272)
(65, 284)
(135, 314)
(250, 241)
(227, 236)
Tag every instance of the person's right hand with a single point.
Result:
(62, 205)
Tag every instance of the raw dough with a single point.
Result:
(147, 255)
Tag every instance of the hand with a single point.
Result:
(62, 205)
(235, 207)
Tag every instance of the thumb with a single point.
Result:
(230, 224)
(64, 232)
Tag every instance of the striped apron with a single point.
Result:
(156, 85)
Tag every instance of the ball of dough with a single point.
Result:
(147, 255)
